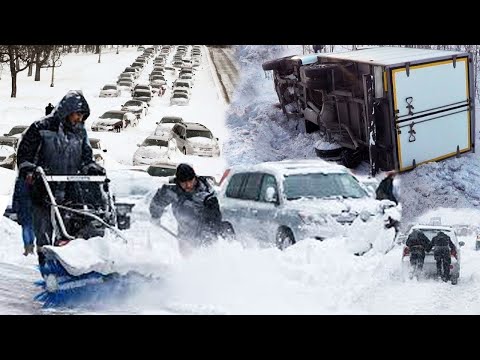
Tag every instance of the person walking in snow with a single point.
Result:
(48, 109)
(195, 207)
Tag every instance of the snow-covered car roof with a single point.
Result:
(163, 137)
(432, 227)
(291, 167)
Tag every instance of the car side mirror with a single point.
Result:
(270, 195)
(461, 243)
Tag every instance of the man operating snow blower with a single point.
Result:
(58, 144)
(195, 207)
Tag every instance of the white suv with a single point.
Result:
(286, 201)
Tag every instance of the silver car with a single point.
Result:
(195, 139)
(430, 267)
(286, 201)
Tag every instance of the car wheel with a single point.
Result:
(284, 238)
(330, 153)
(228, 233)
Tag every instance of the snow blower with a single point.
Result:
(89, 211)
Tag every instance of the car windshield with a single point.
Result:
(142, 93)
(155, 142)
(112, 115)
(180, 95)
(124, 83)
(133, 103)
(199, 133)
(171, 120)
(109, 87)
(16, 130)
(319, 185)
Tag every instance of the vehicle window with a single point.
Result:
(318, 185)
(251, 187)
(112, 115)
(234, 185)
(268, 181)
(155, 142)
(199, 133)
(109, 87)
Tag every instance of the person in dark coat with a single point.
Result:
(59, 144)
(22, 206)
(418, 244)
(442, 249)
(385, 188)
(194, 204)
(48, 109)
(318, 48)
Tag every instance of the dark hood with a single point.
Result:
(73, 101)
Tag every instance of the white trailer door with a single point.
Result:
(432, 111)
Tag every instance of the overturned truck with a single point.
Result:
(394, 107)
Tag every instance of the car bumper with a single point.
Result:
(430, 267)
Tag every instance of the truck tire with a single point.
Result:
(277, 64)
(318, 70)
(327, 154)
(350, 158)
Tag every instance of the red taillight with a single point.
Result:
(225, 174)
(406, 251)
(454, 253)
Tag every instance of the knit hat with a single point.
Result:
(184, 173)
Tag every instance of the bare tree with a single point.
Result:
(42, 54)
(55, 61)
(18, 58)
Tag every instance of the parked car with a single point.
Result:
(283, 202)
(143, 95)
(141, 48)
(8, 151)
(154, 149)
(17, 130)
(166, 124)
(98, 151)
(136, 107)
(113, 120)
(110, 90)
(430, 267)
(195, 139)
(179, 98)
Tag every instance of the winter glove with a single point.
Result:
(93, 169)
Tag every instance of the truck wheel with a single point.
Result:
(331, 153)
(277, 64)
(350, 158)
